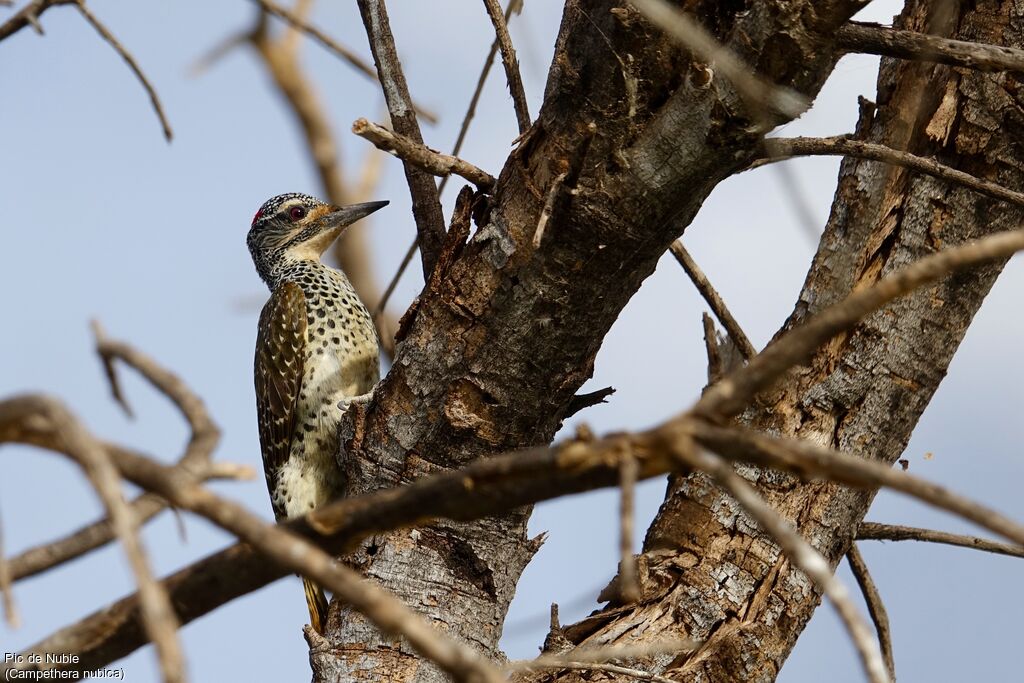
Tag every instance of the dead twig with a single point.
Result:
(29, 16)
(843, 145)
(876, 607)
(420, 155)
(871, 531)
(426, 201)
(203, 440)
(508, 58)
(891, 42)
(713, 299)
(130, 61)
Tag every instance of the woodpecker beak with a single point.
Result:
(342, 216)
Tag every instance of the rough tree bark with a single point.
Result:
(504, 336)
(709, 572)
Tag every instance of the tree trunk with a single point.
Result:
(709, 572)
(502, 339)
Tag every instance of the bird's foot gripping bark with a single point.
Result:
(353, 421)
(359, 401)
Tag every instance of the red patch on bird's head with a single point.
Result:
(259, 212)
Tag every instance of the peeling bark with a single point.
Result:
(497, 350)
(710, 573)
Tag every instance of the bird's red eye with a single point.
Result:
(296, 213)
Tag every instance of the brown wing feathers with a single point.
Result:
(280, 344)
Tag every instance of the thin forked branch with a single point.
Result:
(332, 45)
(807, 459)
(513, 6)
(731, 395)
(713, 299)
(29, 16)
(295, 554)
(202, 441)
(157, 614)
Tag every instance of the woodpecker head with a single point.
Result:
(296, 227)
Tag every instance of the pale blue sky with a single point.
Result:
(101, 218)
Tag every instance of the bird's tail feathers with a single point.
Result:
(316, 601)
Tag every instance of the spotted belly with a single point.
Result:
(311, 478)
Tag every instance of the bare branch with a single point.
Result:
(876, 607)
(871, 531)
(132, 64)
(808, 459)
(29, 16)
(798, 551)
(763, 98)
(713, 299)
(728, 397)
(508, 58)
(357, 62)
(202, 442)
(890, 42)
(420, 155)
(292, 553)
(157, 613)
(844, 145)
(426, 201)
